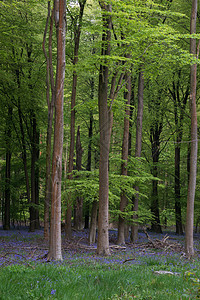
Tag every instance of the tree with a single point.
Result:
(78, 209)
(55, 227)
(155, 132)
(105, 133)
(189, 248)
(138, 148)
(8, 137)
(124, 171)
(179, 101)
(50, 97)
(77, 26)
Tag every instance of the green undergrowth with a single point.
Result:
(99, 281)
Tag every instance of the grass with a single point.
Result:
(97, 281)
(24, 274)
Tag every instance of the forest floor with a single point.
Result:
(21, 246)
(153, 268)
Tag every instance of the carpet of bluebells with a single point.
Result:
(24, 247)
(128, 273)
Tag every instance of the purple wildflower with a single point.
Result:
(53, 292)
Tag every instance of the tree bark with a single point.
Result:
(55, 252)
(89, 156)
(93, 223)
(33, 186)
(6, 220)
(50, 104)
(78, 210)
(189, 247)
(24, 159)
(123, 200)
(89, 160)
(77, 34)
(155, 149)
(138, 151)
(105, 133)
(179, 105)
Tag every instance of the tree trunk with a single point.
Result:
(93, 223)
(179, 227)
(189, 247)
(138, 151)
(71, 157)
(123, 200)
(55, 228)
(105, 133)
(77, 34)
(155, 149)
(6, 221)
(24, 158)
(179, 132)
(78, 210)
(50, 103)
(34, 175)
(37, 187)
(89, 160)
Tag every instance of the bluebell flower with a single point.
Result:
(53, 292)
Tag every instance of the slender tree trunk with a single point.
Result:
(105, 133)
(37, 185)
(71, 157)
(50, 103)
(178, 104)
(33, 191)
(138, 151)
(6, 223)
(179, 227)
(78, 209)
(55, 228)
(123, 200)
(155, 149)
(189, 248)
(34, 175)
(89, 159)
(77, 34)
(24, 158)
(132, 102)
(93, 223)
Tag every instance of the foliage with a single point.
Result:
(91, 281)
(156, 35)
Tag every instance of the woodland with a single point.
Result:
(99, 113)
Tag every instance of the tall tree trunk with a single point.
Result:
(105, 133)
(123, 200)
(138, 150)
(155, 149)
(178, 105)
(6, 223)
(93, 223)
(55, 228)
(78, 209)
(24, 159)
(179, 227)
(34, 175)
(89, 157)
(189, 248)
(37, 185)
(23, 142)
(132, 102)
(77, 34)
(71, 156)
(50, 104)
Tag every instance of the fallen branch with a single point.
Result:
(130, 259)
(163, 244)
